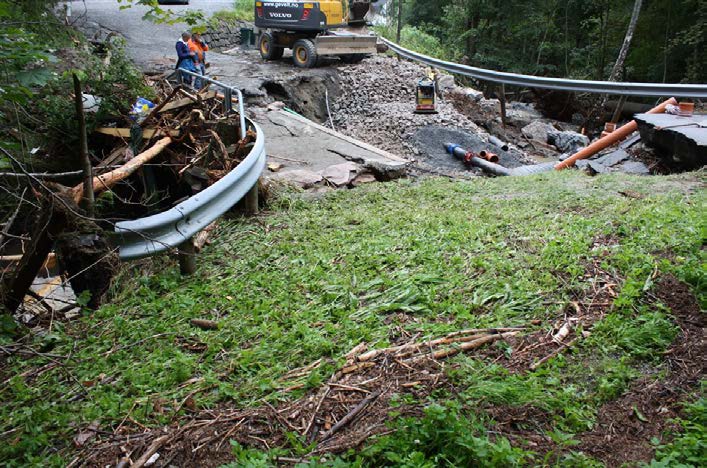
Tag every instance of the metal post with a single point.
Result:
(187, 258)
(251, 199)
(227, 103)
(502, 98)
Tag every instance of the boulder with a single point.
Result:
(567, 141)
(538, 131)
(521, 114)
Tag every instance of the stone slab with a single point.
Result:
(298, 144)
(684, 139)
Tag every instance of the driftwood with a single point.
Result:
(147, 133)
(111, 178)
(351, 415)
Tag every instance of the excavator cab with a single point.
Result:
(425, 97)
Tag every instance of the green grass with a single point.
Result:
(315, 277)
(243, 10)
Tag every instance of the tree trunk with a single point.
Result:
(619, 65)
(400, 21)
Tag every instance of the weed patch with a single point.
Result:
(388, 264)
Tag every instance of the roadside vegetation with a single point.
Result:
(313, 278)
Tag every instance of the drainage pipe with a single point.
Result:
(467, 157)
(497, 141)
(612, 138)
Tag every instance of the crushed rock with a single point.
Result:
(377, 101)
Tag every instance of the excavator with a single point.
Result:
(314, 29)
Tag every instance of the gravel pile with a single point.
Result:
(377, 101)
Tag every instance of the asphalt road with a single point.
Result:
(148, 43)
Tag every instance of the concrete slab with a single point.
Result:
(684, 139)
(303, 147)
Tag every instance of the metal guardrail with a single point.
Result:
(530, 81)
(166, 230)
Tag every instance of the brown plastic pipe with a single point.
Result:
(612, 138)
(491, 157)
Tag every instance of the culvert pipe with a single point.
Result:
(467, 157)
(611, 139)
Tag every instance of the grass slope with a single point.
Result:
(314, 278)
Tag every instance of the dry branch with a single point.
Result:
(111, 178)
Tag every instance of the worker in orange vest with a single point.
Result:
(199, 47)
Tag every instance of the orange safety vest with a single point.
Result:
(199, 48)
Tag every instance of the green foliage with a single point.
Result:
(574, 38)
(314, 278)
(415, 39)
(689, 447)
(157, 14)
(443, 437)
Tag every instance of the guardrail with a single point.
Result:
(530, 81)
(171, 228)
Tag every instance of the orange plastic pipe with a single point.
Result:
(612, 138)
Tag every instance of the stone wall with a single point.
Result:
(223, 35)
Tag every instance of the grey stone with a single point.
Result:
(567, 141)
(634, 167)
(613, 158)
(595, 167)
(538, 131)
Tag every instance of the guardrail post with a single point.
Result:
(187, 258)
(251, 199)
(227, 102)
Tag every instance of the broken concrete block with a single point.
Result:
(538, 131)
(341, 174)
(613, 158)
(364, 178)
(300, 177)
(595, 167)
(634, 167)
(567, 141)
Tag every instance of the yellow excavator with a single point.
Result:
(314, 29)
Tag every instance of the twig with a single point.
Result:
(316, 409)
(154, 447)
(351, 415)
(542, 361)
(6, 231)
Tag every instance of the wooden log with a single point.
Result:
(147, 133)
(187, 101)
(445, 353)
(251, 199)
(88, 200)
(52, 222)
(111, 178)
(187, 258)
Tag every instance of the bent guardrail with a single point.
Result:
(169, 229)
(157, 233)
(530, 81)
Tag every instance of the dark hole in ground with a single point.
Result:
(276, 91)
(430, 140)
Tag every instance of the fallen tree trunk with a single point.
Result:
(109, 179)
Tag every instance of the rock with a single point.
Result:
(595, 168)
(445, 82)
(613, 158)
(472, 94)
(567, 141)
(521, 114)
(538, 131)
(341, 174)
(634, 167)
(277, 105)
(363, 178)
(300, 177)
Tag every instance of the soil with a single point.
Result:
(621, 434)
(623, 431)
